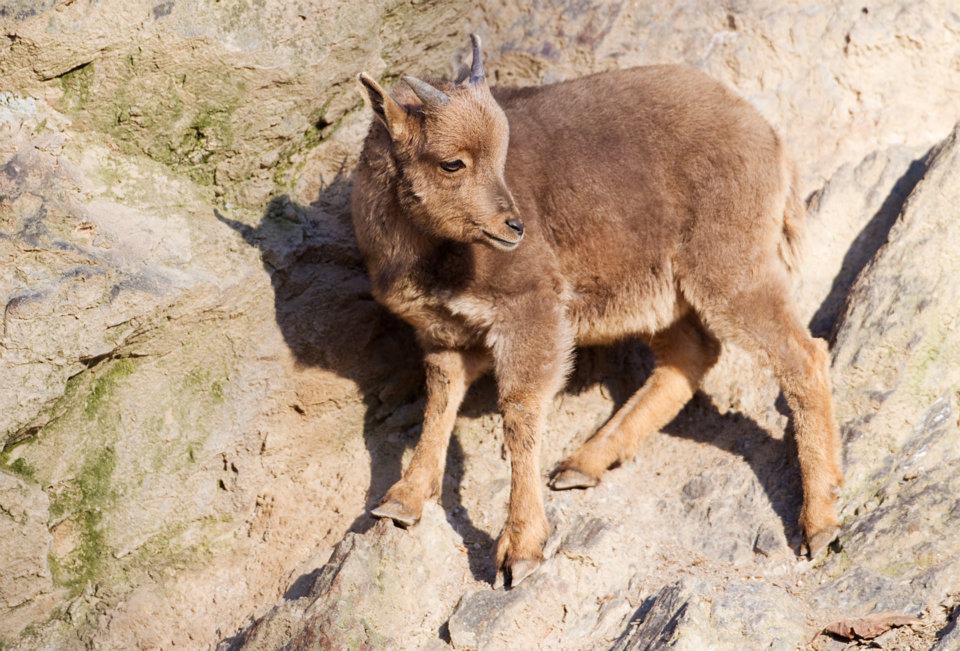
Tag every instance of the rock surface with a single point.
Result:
(684, 548)
(199, 398)
(23, 529)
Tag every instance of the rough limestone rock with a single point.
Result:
(23, 528)
(685, 548)
(199, 397)
(367, 592)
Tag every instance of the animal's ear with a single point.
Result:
(387, 109)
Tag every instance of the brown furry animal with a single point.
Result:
(509, 225)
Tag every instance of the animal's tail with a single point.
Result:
(794, 218)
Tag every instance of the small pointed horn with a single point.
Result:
(476, 68)
(429, 95)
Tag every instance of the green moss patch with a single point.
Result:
(105, 386)
(17, 465)
(128, 434)
(88, 497)
(76, 85)
(181, 117)
(81, 435)
(22, 468)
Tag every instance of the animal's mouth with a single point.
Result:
(501, 243)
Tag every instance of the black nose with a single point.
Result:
(516, 226)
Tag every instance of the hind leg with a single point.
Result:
(684, 352)
(763, 321)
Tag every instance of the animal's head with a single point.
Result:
(449, 143)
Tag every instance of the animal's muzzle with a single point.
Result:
(515, 225)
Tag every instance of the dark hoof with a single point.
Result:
(570, 478)
(518, 571)
(397, 512)
(814, 546)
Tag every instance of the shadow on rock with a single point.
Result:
(863, 248)
(623, 368)
(773, 460)
(330, 320)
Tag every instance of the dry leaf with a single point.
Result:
(869, 626)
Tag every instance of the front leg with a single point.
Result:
(520, 547)
(531, 363)
(449, 373)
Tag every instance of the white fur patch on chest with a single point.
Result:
(441, 318)
(478, 312)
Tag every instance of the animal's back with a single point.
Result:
(634, 170)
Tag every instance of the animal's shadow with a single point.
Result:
(329, 319)
(623, 368)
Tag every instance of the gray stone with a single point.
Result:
(199, 399)
(370, 592)
(656, 621)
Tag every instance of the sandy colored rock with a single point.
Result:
(199, 397)
(25, 583)
(370, 593)
(683, 570)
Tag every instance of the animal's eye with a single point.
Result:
(452, 165)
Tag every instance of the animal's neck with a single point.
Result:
(406, 254)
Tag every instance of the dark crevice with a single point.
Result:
(654, 622)
(863, 248)
(952, 627)
(90, 362)
(302, 586)
(444, 632)
(19, 438)
(75, 68)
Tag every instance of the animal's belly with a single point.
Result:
(609, 314)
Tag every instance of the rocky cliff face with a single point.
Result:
(198, 396)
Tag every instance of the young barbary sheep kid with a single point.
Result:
(509, 225)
